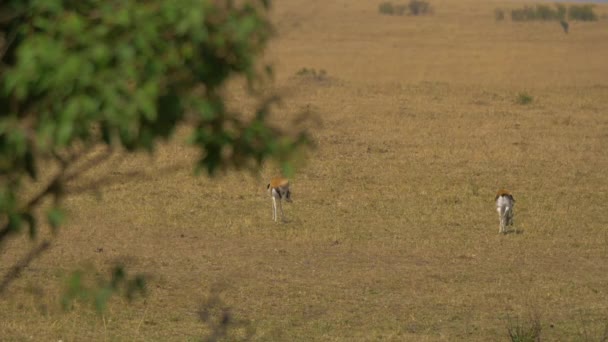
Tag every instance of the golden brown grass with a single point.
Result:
(393, 233)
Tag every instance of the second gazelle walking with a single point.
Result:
(278, 188)
(504, 205)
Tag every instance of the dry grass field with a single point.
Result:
(393, 234)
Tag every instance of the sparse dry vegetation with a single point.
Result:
(389, 8)
(419, 7)
(538, 12)
(312, 73)
(582, 12)
(393, 231)
(499, 14)
(523, 98)
(559, 12)
(414, 7)
(525, 330)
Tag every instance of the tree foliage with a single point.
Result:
(79, 74)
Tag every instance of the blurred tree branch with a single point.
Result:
(81, 79)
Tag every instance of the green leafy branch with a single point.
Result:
(80, 80)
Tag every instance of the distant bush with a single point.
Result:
(558, 13)
(419, 7)
(414, 7)
(522, 14)
(544, 12)
(582, 13)
(386, 8)
(313, 74)
(539, 12)
(499, 14)
(525, 332)
(389, 8)
(524, 98)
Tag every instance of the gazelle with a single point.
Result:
(504, 205)
(278, 189)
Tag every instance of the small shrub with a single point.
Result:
(588, 334)
(320, 75)
(544, 12)
(539, 12)
(400, 9)
(523, 14)
(524, 98)
(499, 14)
(389, 8)
(304, 71)
(526, 331)
(386, 8)
(419, 7)
(582, 13)
(558, 13)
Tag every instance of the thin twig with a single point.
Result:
(4, 233)
(16, 270)
(55, 185)
(62, 160)
(89, 164)
(50, 188)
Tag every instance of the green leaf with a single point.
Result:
(55, 217)
(74, 289)
(72, 24)
(287, 169)
(16, 138)
(15, 222)
(118, 276)
(122, 17)
(100, 53)
(102, 297)
(64, 132)
(51, 6)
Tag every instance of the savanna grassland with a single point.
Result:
(393, 235)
